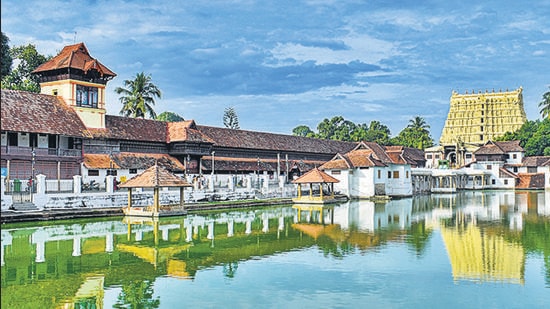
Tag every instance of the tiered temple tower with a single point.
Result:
(80, 80)
(475, 118)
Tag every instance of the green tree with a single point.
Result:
(20, 78)
(337, 128)
(230, 118)
(303, 130)
(138, 97)
(6, 57)
(534, 137)
(378, 133)
(416, 135)
(545, 105)
(169, 117)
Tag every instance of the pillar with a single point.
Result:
(109, 243)
(230, 228)
(109, 187)
(40, 184)
(210, 231)
(248, 228)
(76, 246)
(77, 184)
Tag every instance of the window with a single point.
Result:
(505, 181)
(481, 120)
(335, 172)
(532, 169)
(54, 92)
(437, 156)
(493, 181)
(482, 113)
(93, 172)
(515, 156)
(111, 172)
(33, 140)
(133, 171)
(428, 156)
(379, 174)
(407, 174)
(389, 174)
(86, 96)
(468, 156)
(396, 174)
(515, 169)
(481, 137)
(489, 166)
(12, 139)
(481, 128)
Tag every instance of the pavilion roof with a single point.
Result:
(316, 176)
(155, 177)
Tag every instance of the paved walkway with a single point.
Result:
(9, 216)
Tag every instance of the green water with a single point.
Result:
(467, 250)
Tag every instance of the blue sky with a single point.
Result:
(281, 64)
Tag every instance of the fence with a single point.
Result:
(61, 186)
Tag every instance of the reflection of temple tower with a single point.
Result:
(479, 256)
(476, 118)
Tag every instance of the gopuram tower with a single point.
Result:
(476, 118)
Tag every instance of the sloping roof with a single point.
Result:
(379, 153)
(536, 161)
(499, 148)
(74, 56)
(24, 111)
(232, 164)
(128, 160)
(155, 176)
(504, 173)
(186, 131)
(315, 176)
(224, 137)
(135, 129)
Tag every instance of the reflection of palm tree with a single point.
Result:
(230, 269)
(138, 97)
(137, 294)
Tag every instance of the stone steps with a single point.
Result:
(24, 207)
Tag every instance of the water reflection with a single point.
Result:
(487, 236)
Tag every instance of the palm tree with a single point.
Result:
(545, 105)
(138, 97)
(418, 123)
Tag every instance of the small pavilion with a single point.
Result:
(317, 180)
(155, 177)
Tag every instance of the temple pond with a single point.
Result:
(472, 249)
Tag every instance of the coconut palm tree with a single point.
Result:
(138, 97)
(419, 123)
(545, 105)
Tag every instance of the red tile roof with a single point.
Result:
(128, 160)
(316, 176)
(24, 111)
(155, 176)
(186, 131)
(224, 137)
(76, 57)
(536, 161)
(136, 129)
(499, 148)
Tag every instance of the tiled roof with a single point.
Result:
(531, 181)
(504, 173)
(155, 176)
(127, 160)
(24, 111)
(186, 131)
(499, 148)
(231, 164)
(135, 129)
(224, 137)
(536, 161)
(76, 57)
(378, 152)
(315, 176)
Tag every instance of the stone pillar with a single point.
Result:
(281, 181)
(40, 184)
(109, 187)
(231, 183)
(77, 184)
(76, 246)
(109, 242)
(211, 183)
(248, 182)
(265, 178)
(248, 228)
(210, 231)
(230, 228)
